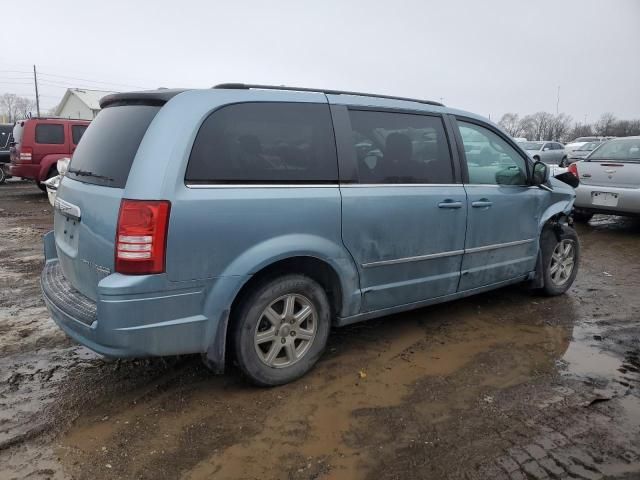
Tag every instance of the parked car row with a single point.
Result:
(557, 154)
(551, 153)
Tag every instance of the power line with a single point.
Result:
(89, 80)
(85, 80)
(15, 83)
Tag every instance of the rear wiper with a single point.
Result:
(86, 173)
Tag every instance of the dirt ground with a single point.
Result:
(505, 385)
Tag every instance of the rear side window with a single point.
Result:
(76, 132)
(109, 145)
(265, 143)
(50, 133)
(400, 148)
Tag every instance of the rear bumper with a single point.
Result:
(26, 170)
(127, 323)
(628, 200)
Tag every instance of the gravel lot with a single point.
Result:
(505, 385)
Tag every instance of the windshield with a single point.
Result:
(5, 136)
(531, 145)
(623, 150)
(109, 145)
(589, 146)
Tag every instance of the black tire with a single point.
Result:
(582, 217)
(246, 325)
(549, 241)
(563, 162)
(3, 175)
(536, 158)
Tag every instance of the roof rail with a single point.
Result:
(244, 86)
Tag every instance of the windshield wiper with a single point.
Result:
(86, 173)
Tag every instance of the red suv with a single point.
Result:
(38, 143)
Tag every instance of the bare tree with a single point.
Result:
(511, 124)
(559, 128)
(604, 126)
(546, 126)
(16, 107)
(8, 106)
(539, 125)
(24, 106)
(580, 130)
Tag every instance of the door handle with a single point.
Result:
(448, 203)
(482, 203)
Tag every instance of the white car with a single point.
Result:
(53, 183)
(580, 141)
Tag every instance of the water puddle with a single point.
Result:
(604, 356)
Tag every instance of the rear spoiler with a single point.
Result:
(148, 97)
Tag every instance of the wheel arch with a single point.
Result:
(47, 163)
(336, 273)
(554, 219)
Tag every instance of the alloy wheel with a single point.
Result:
(562, 262)
(285, 330)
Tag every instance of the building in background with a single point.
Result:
(80, 103)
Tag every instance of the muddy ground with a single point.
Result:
(501, 385)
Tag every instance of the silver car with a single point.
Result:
(551, 153)
(609, 179)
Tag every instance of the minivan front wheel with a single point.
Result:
(561, 258)
(281, 329)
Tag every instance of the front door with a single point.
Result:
(404, 217)
(502, 224)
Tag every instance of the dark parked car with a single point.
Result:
(5, 140)
(38, 144)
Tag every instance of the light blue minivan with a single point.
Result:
(243, 221)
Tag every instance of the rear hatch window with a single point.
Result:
(622, 150)
(108, 147)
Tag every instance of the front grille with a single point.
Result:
(62, 294)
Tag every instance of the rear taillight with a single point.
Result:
(26, 153)
(141, 237)
(573, 169)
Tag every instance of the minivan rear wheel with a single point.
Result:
(560, 259)
(281, 329)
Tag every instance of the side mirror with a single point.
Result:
(545, 149)
(540, 174)
(569, 179)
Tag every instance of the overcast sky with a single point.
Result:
(489, 57)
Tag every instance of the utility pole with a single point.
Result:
(35, 81)
(558, 101)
